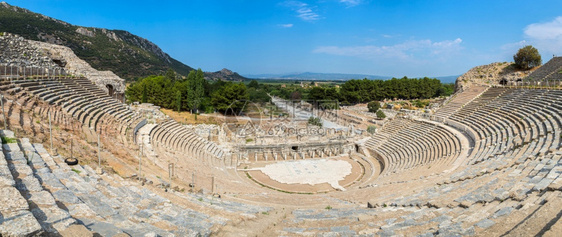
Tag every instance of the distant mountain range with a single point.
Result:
(333, 76)
(127, 55)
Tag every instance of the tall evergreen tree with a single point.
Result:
(178, 100)
(144, 94)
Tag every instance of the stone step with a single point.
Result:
(16, 217)
(108, 209)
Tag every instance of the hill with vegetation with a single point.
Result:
(127, 55)
(224, 75)
(492, 74)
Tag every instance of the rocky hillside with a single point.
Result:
(127, 55)
(491, 74)
(225, 75)
(20, 52)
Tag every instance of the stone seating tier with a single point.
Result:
(38, 184)
(549, 70)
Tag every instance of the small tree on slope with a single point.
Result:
(527, 57)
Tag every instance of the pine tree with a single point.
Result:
(144, 94)
(178, 100)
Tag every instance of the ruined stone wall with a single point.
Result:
(17, 51)
(79, 67)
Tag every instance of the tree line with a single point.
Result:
(365, 90)
(192, 93)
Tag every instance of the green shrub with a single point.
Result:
(381, 114)
(373, 106)
(420, 103)
(315, 121)
(371, 129)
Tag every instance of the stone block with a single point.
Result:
(486, 223)
(98, 206)
(29, 183)
(42, 198)
(10, 147)
(19, 223)
(11, 200)
(502, 212)
(50, 180)
(16, 157)
(7, 133)
(53, 219)
(21, 169)
(81, 210)
(542, 185)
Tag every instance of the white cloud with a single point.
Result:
(303, 10)
(546, 36)
(285, 25)
(351, 3)
(516, 45)
(545, 31)
(413, 50)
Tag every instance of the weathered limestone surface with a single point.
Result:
(17, 51)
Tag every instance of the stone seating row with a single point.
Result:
(491, 219)
(47, 184)
(416, 144)
(548, 70)
(502, 177)
(173, 136)
(27, 207)
(387, 131)
(505, 122)
(84, 101)
(459, 100)
(480, 196)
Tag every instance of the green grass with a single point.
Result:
(328, 208)
(6, 140)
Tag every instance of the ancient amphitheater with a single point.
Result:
(485, 163)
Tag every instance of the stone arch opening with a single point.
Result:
(110, 89)
(503, 81)
(59, 62)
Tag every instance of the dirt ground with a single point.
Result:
(189, 118)
(261, 178)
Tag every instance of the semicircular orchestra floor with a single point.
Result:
(306, 176)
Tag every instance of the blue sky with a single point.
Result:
(390, 38)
